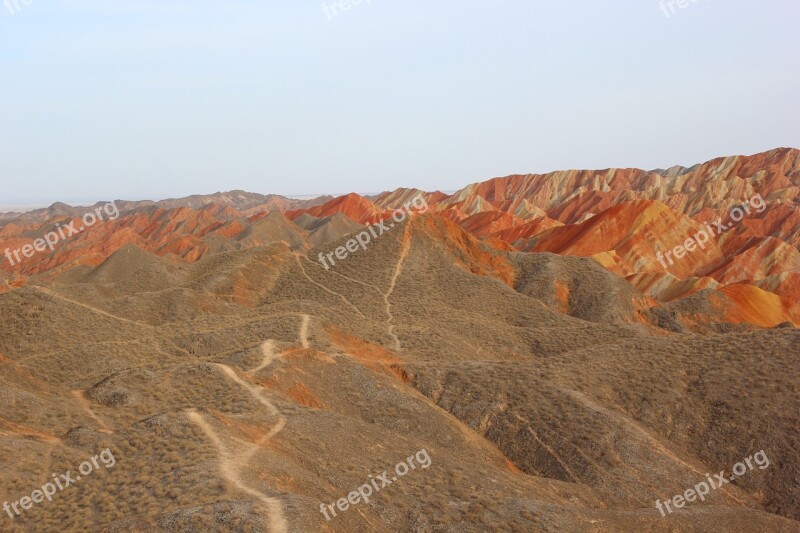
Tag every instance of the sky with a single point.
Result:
(145, 99)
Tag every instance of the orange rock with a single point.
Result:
(352, 205)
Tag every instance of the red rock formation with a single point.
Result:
(752, 305)
(488, 222)
(622, 218)
(352, 205)
(526, 231)
(636, 232)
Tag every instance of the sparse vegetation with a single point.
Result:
(535, 420)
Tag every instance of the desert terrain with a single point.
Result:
(522, 332)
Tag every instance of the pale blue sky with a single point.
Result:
(134, 99)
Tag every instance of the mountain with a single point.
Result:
(353, 206)
(242, 201)
(248, 389)
(629, 221)
(580, 343)
(324, 230)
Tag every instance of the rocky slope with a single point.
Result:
(244, 389)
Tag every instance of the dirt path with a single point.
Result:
(326, 289)
(405, 247)
(554, 455)
(564, 465)
(80, 397)
(96, 310)
(230, 468)
(269, 354)
(354, 280)
(268, 351)
(258, 394)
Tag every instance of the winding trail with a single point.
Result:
(405, 247)
(230, 468)
(258, 394)
(234, 462)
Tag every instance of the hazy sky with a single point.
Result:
(135, 99)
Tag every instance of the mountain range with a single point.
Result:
(522, 332)
(621, 218)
